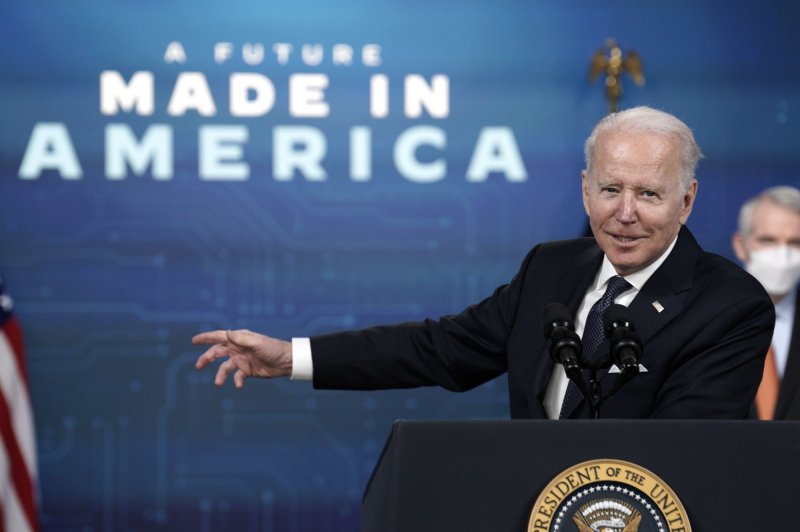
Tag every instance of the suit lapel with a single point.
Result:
(573, 284)
(790, 384)
(658, 302)
(654, 306)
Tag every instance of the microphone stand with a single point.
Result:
(586, 389)
(594, 384)
(595, 397)
(590, 389)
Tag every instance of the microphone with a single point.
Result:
(562, 341)
(624, 343)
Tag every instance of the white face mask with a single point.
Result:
(776, 267)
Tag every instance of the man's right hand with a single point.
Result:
(249, 355)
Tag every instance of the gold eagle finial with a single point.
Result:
(614, 64)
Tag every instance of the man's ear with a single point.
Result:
(688, 201)
(737, 242)
(585, 190)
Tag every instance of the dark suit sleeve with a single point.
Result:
(455, 352)
(716, 375)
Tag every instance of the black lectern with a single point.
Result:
(486, 475)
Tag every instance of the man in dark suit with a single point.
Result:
(705, 323)
(768, 243)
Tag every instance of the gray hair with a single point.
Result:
(784, 196)
(646, 120)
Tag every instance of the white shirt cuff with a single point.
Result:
(302, 364)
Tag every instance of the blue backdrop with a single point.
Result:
(411, 155)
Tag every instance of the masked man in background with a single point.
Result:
(768, 243)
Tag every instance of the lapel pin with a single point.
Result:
(658, 306)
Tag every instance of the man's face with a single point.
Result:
(771, 225)
(633, 198)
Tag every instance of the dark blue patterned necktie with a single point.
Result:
(593, 334)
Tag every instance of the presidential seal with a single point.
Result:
(608, 496)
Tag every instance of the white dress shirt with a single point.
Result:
(302, 364)
(782, 335)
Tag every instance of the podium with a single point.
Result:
(486, 475)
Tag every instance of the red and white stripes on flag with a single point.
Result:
(18, 472)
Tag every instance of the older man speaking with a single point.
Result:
(704, 323)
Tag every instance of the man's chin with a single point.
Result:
(625, 263)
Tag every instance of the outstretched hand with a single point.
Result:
(249, 354)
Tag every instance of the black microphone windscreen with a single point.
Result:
(616, 313)
(553, 312)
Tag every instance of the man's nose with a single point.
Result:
(626, 210)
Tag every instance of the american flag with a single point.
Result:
(17, 442)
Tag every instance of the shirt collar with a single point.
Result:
(637, 279)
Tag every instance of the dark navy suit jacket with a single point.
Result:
(704, 350)
(788, 406)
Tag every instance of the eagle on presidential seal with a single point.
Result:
(607, 515)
